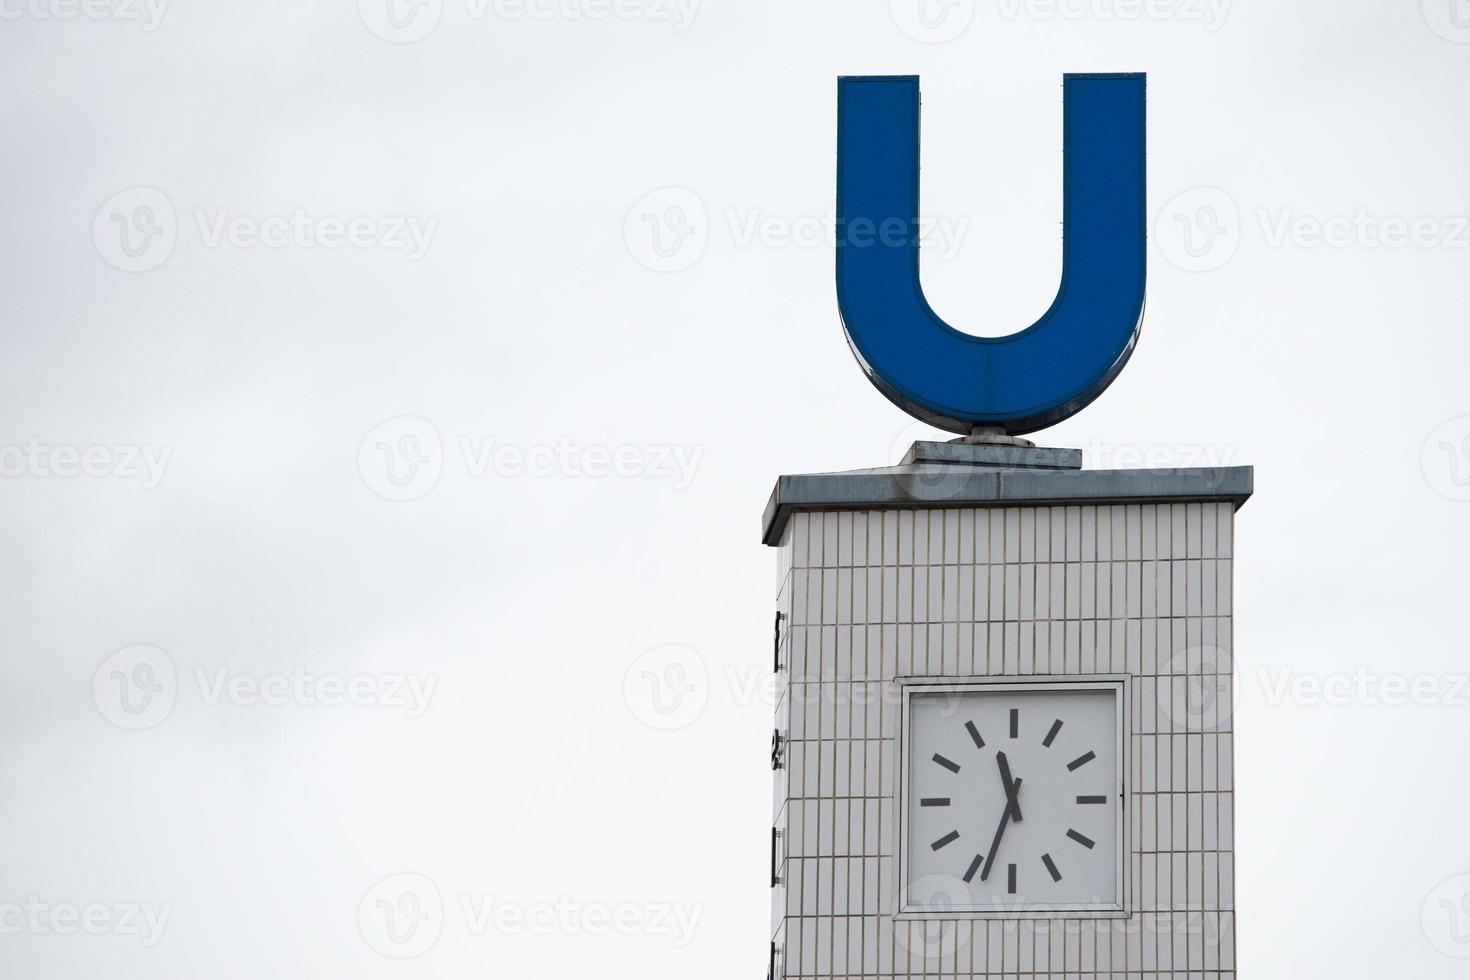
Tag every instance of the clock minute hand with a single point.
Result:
(1005, 818)
(1012, 786)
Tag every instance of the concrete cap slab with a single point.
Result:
(971, 484)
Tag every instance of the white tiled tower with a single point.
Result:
(983, 562)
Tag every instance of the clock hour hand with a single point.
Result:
(1005, 818)
(1012, 787)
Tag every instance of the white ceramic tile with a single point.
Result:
(1131, 547)
(950, 535)
(905, 537)
(1118, 590)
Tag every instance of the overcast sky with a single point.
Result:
(386, 390)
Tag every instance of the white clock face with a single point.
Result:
(1012, 797)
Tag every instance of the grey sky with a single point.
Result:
(406, 442)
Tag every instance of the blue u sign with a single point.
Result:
(1056, 366)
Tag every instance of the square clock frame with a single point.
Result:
(1013, 797)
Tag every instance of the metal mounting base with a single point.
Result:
(985, 435)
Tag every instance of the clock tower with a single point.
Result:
(1003, 742)
(1003, 737)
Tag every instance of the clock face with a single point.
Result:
(1013, 797)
